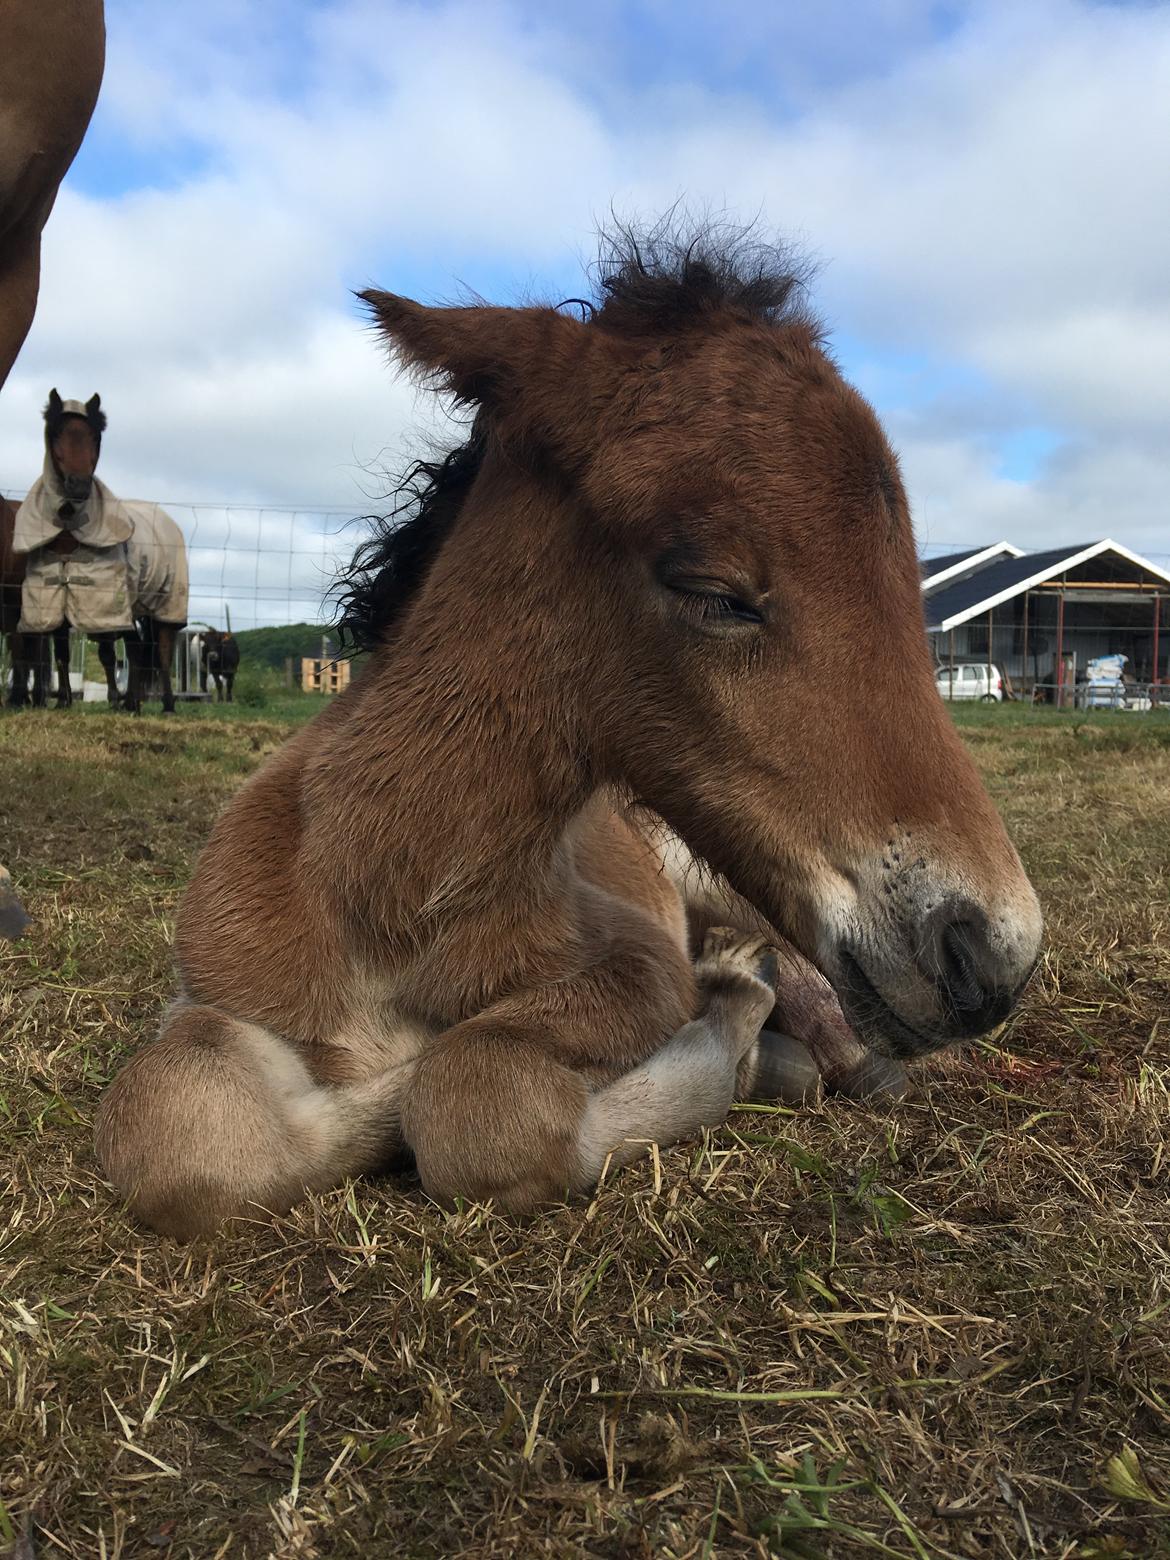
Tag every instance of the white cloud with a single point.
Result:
(998, 199)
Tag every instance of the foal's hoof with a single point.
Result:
(734, 958)
(779, 1068)
(877, 1078)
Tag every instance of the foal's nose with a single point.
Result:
(978, 978)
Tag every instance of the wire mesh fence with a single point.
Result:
(261, 565)
(264, 566)
(268, 567)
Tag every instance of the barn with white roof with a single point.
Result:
(1042, 617)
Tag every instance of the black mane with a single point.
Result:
(670, 279)
(675, 276)
(391, 565)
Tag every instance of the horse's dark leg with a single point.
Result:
(18, 655)
(41, 659)
(135, 674)
(61, 656)
(163, 640)
(105, 644)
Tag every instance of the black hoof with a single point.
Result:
(877, 1078)
(784, 1071)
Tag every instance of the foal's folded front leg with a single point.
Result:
(691, 1082)
(491, 1112)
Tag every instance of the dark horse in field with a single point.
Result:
(671, 577)
(74, 552)
(219, 656)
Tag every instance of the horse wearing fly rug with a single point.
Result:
(671, 576)
(77, 556)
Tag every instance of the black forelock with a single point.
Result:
(679, 273)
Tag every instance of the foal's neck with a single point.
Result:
(444, 793)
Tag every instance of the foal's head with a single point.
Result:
(682, 543)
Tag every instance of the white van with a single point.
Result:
(970, 680)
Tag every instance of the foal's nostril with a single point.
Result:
(957, 955)
(959, 966)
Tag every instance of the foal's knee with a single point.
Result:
(492, 1116)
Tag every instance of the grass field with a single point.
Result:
(939, 1332)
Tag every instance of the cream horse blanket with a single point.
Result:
(130, 561)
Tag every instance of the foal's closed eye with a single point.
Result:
(707, 605)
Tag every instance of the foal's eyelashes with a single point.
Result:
(710, 604)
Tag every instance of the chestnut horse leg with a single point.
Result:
(61, 656)
(218, 1119)
(492, 1112)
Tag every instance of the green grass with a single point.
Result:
(941, 1332)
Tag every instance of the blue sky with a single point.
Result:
(986, 186)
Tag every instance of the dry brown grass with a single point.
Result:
(941, 1333)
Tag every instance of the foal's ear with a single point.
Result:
(479, 353)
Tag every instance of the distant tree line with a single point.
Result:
(274, 646)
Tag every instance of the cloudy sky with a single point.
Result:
(986, 185)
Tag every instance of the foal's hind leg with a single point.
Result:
(219, 1119)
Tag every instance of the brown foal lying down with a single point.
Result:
(671, 573)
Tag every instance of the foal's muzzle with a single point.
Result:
(962, 981)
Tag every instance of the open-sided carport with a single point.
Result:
(1041, 617)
